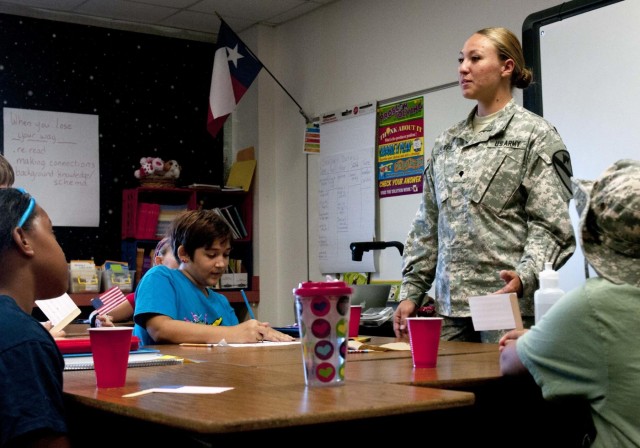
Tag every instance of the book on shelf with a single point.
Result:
(205, 187)
(147, 220)
(139, 263)
(239, 222)
(60, 311)
(234, 231)
(236, 266)
(167, 214)
(228, 213)
(142, 359)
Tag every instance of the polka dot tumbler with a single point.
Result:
(323, 310)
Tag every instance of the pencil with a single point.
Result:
(246, 301)
(192, 344)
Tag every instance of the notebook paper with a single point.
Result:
(60, 311)
(135, 360)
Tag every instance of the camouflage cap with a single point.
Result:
(609, 229)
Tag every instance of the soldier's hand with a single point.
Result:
(512, 283)
(405, 309)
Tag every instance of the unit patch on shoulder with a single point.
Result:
(562, 165)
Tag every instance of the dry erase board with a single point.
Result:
(55, 158)
(584, 54)
(444, 106)
(341, 185)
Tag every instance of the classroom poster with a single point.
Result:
(56, 159)
(312, 137)
(400, 149)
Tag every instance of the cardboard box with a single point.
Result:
(228, 281)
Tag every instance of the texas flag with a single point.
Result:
(234, 69)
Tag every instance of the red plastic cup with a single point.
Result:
(354, 320)
(424, 338)
(110, 349)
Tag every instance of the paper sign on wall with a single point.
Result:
(55, 157)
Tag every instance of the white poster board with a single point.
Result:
(55, 156)
(598, 120)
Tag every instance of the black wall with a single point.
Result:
(150, 93)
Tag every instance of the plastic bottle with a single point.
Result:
(549, 293)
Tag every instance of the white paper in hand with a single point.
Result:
(495, 312)
(60, 311)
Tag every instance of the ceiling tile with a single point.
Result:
(57, 5)
(196, 21)
(257, 10)
(294, 13)
(124, 10)
(179, 4)
(192, 16)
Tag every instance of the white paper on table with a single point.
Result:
(259, 344)
(495, 312)
(180, 390)
(60, 311)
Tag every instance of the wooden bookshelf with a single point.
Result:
(192, 198)
(233, 295)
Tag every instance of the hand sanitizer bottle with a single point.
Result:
(549, 293)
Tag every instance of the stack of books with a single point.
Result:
(232, 217)
(167, 214)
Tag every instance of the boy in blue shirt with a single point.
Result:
(180, 305)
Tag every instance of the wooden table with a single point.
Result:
(464, 400)
(291, 354)
(263, 405)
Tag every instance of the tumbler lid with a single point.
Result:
(336, 288)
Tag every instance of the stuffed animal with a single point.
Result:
(149, 166)
(172, 169)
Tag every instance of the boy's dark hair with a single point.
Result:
(7, 175)
(13, 203)
(198, 228)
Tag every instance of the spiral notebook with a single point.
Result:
(135, 360)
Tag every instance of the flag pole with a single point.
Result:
(306, 117)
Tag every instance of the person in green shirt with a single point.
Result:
(586, 346)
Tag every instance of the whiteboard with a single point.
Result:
(444, 106)
(55, 159)
(590, 88)
(345, 210)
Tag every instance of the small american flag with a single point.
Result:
(108, 300)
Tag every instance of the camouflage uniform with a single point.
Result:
(493, 200)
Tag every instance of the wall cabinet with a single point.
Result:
(147, 211)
